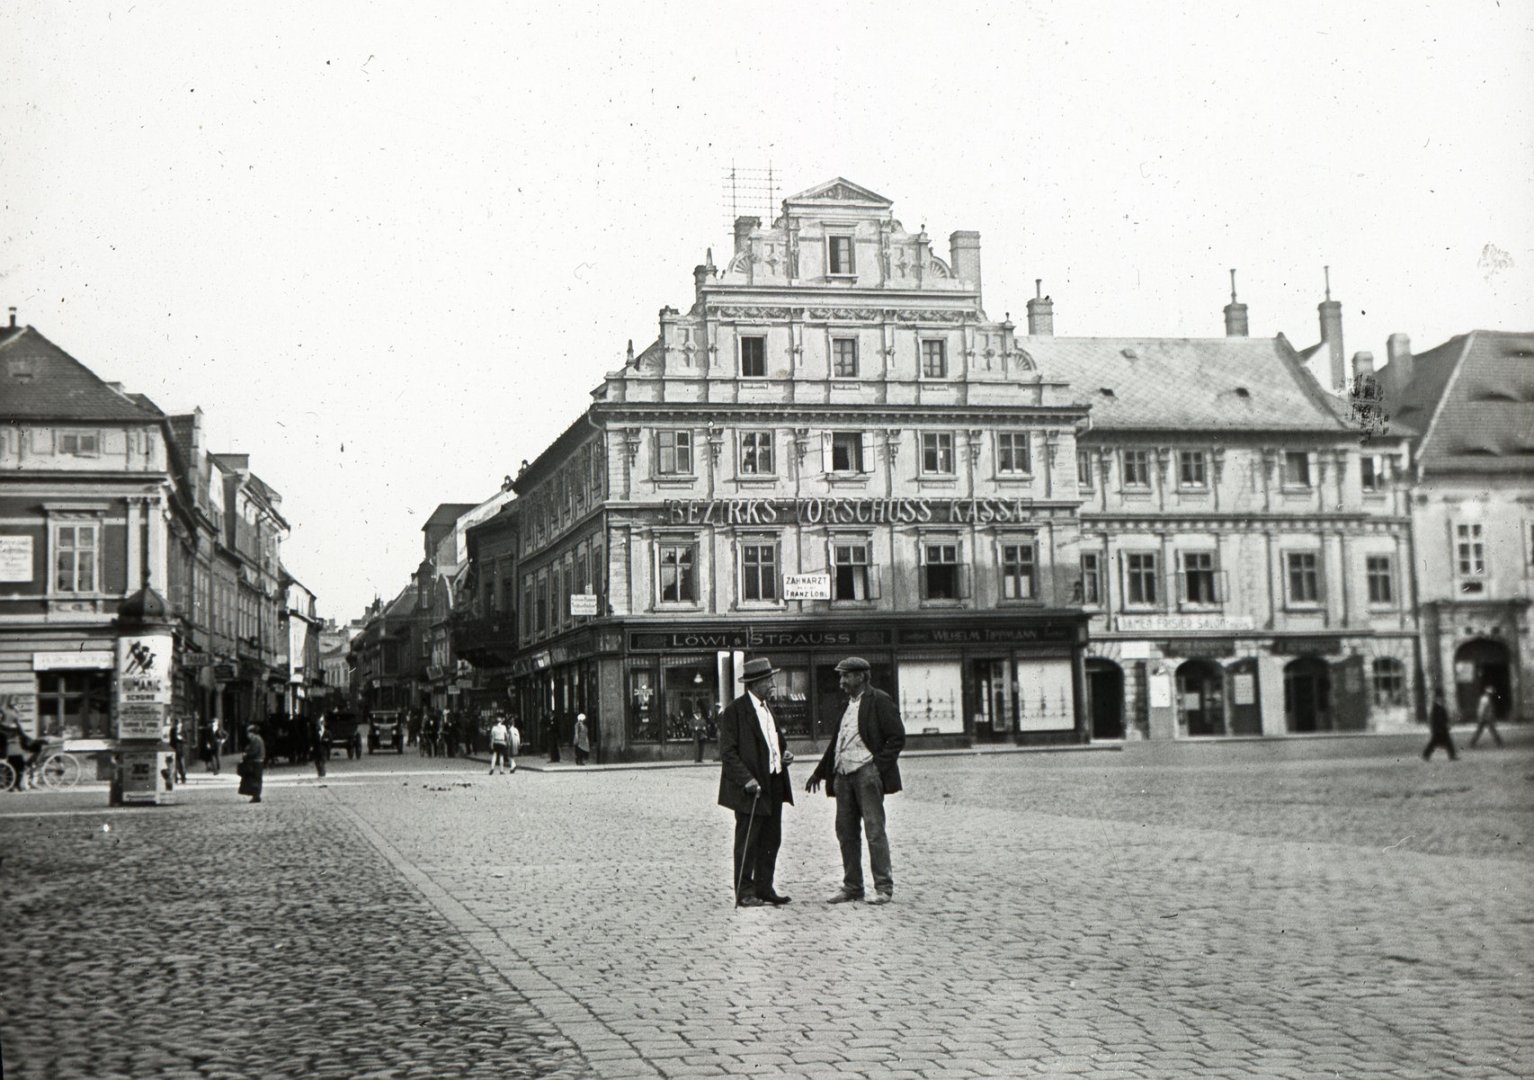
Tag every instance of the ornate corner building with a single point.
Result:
(832, 451)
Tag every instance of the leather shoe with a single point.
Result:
(843, 897)
(778, 899)
(750, 901)
(880, 898)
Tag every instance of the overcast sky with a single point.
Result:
(389, 251)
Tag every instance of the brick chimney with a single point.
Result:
(1399, 364)
(1041, 312)
(744, 227)
(964, 257)
(1331, 335)
(1235, 313)
(1363, 365)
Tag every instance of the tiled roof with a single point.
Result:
(1471, 403)
(43, 382)
(1225, 384)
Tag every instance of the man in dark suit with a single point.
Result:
(859, 768)
(753, 781)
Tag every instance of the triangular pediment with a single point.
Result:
(840, 190)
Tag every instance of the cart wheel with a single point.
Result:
(61, 771)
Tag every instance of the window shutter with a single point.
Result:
(1123, 579)
(826, 460)
(875, 572)
(921, 569)
(867, 452)
(964, 589)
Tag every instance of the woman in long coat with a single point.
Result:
(253, 765)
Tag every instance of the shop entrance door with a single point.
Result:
(1105, 698)
(1480, 663)
(991, 687)
(1201, 698)
(1308, 695)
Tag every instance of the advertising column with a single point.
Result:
(143, 701)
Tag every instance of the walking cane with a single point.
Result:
(741, 873)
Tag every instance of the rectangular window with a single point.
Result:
(79, 443)
(844, 358)
(673, 453)
(1201, 583)
(1296, 469)
(1012, 456)
(1141, 578)
(1137, 468)
(1389, 683)
(541, 610)
(75, 558)
(854, 575)
(753, 357)
(846, 451)
(756, 458)
(839, 254)
(1382, 579)
(759, 571)
(1091, 578)
(934, 359)
(1192, 469)
(1371, 473)
(678, 579)
(1085, 476)
(1018, 572)
(1470, 558)
(940, 571)
(937, 453)
(74, 704)
(1304, 577)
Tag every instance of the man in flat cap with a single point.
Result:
(859, 768)
(753, 781)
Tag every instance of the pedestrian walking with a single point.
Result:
(1438, 727)
(1486, 716)
(860, 767)
(582, 739)
(178, 747)
(514, 742)
(252, 767)
(500, 747)
(213, 732)
(319, 744)
(551, 733)
(753, 781)
(13, 742)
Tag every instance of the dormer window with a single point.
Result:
(839, 256)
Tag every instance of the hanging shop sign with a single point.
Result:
(837, 511)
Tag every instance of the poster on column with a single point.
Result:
(143, 685)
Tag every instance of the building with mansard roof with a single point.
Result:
(1468, 407)
(1245, 545)
(832, 451)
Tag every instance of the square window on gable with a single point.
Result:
(79, 443)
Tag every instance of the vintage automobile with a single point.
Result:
(386, 729)
(342, 732)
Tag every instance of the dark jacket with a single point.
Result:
(1438, 718)
(884, 735)
(743, 756)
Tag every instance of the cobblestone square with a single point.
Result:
(1094, 914)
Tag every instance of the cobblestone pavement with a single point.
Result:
(1055, 915)
(218, 939)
